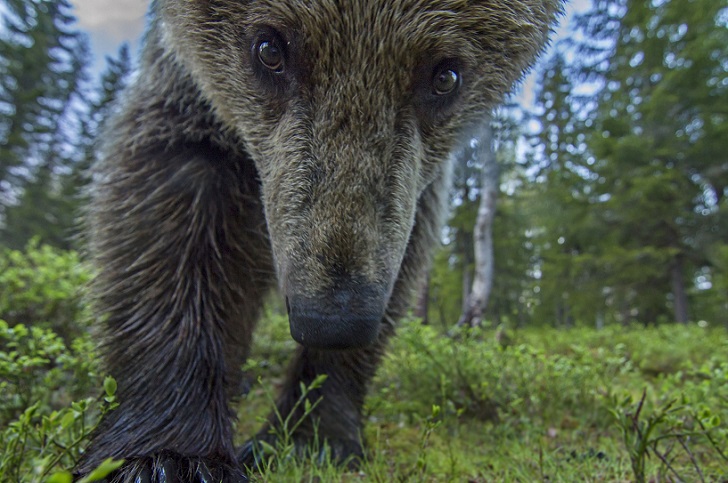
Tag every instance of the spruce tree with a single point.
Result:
(43, 60)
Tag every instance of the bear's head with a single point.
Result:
(350, 110)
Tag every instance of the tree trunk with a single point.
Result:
(423, 299)
(467, 282)
(678, 291)
(477, 299)
(466, 247)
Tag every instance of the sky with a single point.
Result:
(111, 22)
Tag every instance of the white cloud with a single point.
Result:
(114, 21)
(109, 23)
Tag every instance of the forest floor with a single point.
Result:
(484, 405)
(526, 405)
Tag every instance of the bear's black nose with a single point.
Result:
(346, 317)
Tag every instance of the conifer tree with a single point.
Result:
(642, 163)
(43, 60)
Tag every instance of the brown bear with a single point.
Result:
(306, 142)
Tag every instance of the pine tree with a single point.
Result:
(44, 66)
(113, 80)
(564, 230)
(637, 172)
(100, 106)
(660, 133)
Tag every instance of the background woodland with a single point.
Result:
(576, 316)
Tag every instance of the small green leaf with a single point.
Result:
(68, 419)
(60, 477)
(110, 386)
(318, 382)
(266, 447)
(103, 470)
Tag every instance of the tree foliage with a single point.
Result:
(612, 210)
(50, 115)
(626, 198)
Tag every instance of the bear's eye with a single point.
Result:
(437, 86)
(445, 81)
(270, 55)
(271, 60)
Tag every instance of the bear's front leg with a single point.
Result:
(179, 241)
(336, 423)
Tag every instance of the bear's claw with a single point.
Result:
(174, 468)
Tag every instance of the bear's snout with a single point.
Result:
(347, 316)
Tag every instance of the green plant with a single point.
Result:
(668, 432)
(38, 368)
(40, 444)
(430, 425)
(43, 286)
(283, 450)
(474, 376)
(654, 351)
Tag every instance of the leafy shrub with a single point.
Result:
(38, 368)
(45, 414)
(43, 286)
(664, 349)
(48, 366)
(41, 444)
(475, 376)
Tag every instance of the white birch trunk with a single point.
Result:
(477, 301)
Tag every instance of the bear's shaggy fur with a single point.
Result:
(306, 142)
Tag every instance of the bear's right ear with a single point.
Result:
(516, 29)
(539, 15)
(533, 5)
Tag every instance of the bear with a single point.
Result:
(278, 142)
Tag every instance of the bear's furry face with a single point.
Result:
(349, 110)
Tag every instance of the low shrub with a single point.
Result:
(43, 286)
(474, 375)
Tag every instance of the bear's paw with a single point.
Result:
(168, 467)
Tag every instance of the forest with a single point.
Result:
(573, 326)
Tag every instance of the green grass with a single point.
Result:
(550, 406)
(539, 405)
